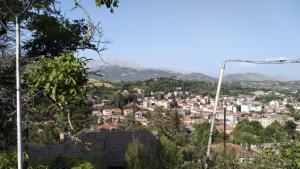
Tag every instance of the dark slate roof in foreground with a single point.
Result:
(111, 144)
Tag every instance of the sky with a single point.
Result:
(196, 35)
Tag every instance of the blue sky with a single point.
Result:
(196, 35)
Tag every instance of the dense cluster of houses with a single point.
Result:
(197, 108)
(192, 109)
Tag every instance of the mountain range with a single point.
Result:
(249, 77)
(116, 73)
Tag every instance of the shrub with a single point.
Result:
(86, 165)
(8, 160)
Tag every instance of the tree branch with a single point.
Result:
(4, 28)
(92, 31)
(70, 122)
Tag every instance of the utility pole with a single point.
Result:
(133, 141)
(133, 121)
(224, 138)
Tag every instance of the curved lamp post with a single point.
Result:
(222, 69)
(17, 14)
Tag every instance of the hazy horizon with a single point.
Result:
(97, 63)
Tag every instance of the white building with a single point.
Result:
(245, 108)
(107, 112)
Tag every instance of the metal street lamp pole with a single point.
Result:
(18, 85)
(17, 15)
(215, 110)
(218, 95)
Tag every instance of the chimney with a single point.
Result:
(62, 137)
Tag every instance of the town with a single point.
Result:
(115, 84)
(195, 108)
(265, 106)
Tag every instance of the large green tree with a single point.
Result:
(274, 133)
(247, 132)
(46, 33)
(62, 81)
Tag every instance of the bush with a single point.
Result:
(137, 157)
(81, 161)
(86, 165)
(8, 160)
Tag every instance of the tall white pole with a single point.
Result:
(214, 112)
(18, 85)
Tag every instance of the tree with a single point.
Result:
(200, 135)
(49, 42)
(292, 112)
(7, 106)
(166, 122)
(170, 156)
(290, 108)
(82, 33)
(61, 80)
(285, 156)
(8, 160)
(136, 157)
(229, 160)
(119, 100)
(291, 155)
(290, 129)
(86, 165)
(159, 96)
(273, 133)
(126, 124)
(111, 4)
(247, 132)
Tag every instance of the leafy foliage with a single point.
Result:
(126, 124)
(166, 122)
(291, 155)
(69, 162)
(201, 133)
(61, 78)
(86, 165)
(8, 160)
(290, 128)
(247, 132)
(252, 132)
(229, 160)
(292, 112)
(64, 36)
(171, 157)
(285, 156)
(111, 4)
(7, 106)
(62, 82)
(268, 98)
(273, 133)
(136, 157)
